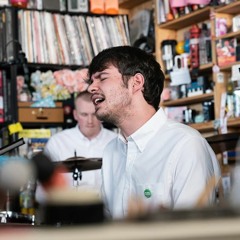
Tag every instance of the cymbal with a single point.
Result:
(81, 163)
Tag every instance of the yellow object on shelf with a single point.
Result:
(15, 127)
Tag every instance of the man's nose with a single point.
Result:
(90, 118)
(92, 87)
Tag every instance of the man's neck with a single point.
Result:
(136, 121)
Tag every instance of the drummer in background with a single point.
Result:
(87, 139)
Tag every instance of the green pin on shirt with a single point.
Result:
(147, 193)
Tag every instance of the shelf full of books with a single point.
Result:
(59, 38)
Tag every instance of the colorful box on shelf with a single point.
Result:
(226, 51)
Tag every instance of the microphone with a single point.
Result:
(21, 59)
(11, 146)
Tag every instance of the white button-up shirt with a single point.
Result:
(164, 163)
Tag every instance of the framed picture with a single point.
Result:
(226, 51)
(77, 5)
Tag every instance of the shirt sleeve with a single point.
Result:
(51, 151)
(194, 168)
(107, 212)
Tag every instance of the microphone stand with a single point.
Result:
(11, 146)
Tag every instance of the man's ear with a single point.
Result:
(75, 114)
(138, 82)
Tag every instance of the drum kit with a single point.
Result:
(75, 165)
(61, 210)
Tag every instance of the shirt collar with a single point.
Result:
(84, 138)
(142, 136)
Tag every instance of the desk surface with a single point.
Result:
(222, 228)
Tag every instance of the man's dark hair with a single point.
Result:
(129, 61)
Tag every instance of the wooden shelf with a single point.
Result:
(44, 66)
(229, 35)
(228, 67)
(28, 104)
(205, 67)
(188, 100)
(232, 8)
(203, 127)
(233, 122)
(128, 4)
(187, 20)
(208, 126)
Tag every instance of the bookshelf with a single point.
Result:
(129, 4)
(68, 39)
(175, 29)
(51, 41)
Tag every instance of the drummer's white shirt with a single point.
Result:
(165, 159)
(64, 144)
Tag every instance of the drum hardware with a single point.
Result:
(81, 163)
(76, 165)
(18, 218)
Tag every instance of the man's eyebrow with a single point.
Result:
(99, 74)
(102, 73)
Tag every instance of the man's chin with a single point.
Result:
(100, 115)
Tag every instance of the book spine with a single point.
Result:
(90, 26)
(86, 38)
(73, 40)
(10, 95)
(2, 35)
(10, 40)
(1, 98)
(80, 40)
(46, 55)
(5, 93)
(51, 38)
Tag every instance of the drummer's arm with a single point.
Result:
(50, 151)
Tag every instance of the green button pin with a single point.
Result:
(147, 193)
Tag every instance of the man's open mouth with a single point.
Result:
(97, 100)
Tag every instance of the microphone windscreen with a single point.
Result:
(15, 173)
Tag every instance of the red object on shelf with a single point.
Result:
(19, 3)
(194, 45)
